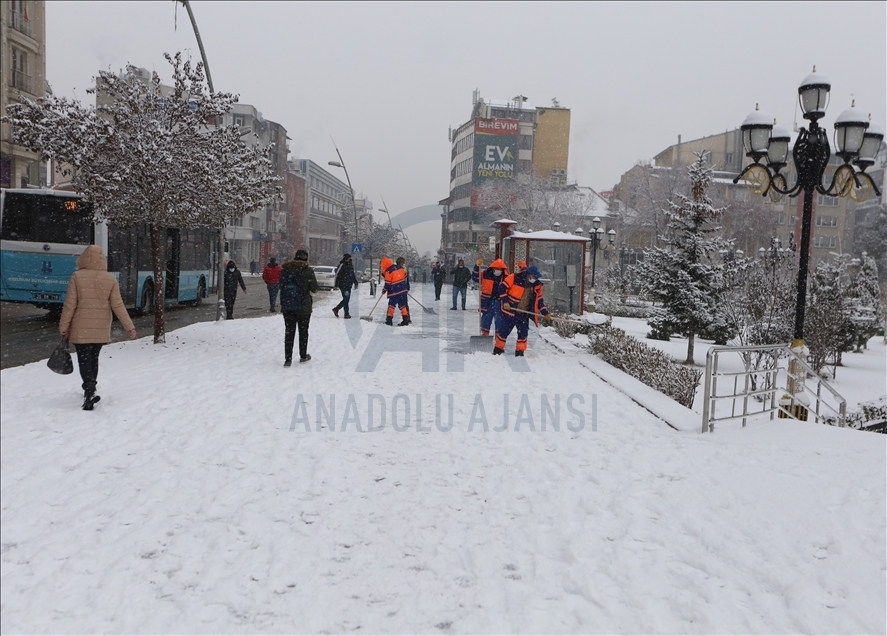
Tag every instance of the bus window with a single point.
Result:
(46, 219)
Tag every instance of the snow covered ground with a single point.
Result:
(201, 497)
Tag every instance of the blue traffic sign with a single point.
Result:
(357, 248)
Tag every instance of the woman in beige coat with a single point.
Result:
(93, 293)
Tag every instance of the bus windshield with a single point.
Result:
(46, 218)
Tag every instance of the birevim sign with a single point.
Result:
(495, 150)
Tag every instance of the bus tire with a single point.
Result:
(201, 293)
(147, 306)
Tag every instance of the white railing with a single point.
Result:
(766, 380)
(21, 81)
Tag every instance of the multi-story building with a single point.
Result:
(834, 218)
(23, 52)
(327, 202)
(501, 141)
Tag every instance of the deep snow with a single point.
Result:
(188, 501)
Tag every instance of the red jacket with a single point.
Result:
(271, 275)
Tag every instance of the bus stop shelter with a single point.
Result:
(559, 257)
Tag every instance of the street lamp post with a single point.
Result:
(341, 164)
(856, 141)
(597, 235)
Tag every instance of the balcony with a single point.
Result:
(20, 23)
(22, 81)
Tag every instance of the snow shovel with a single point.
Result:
(569, 322)
(427, 310)
(480, 344)
(369, 316)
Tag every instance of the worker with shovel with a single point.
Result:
(396, 286)
(521, 296)
(491, 280)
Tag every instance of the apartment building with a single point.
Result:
(327, 201)
(23, 52)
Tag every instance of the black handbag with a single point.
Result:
(60, 360)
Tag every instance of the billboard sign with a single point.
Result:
(495, 149)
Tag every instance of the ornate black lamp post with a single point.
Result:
(596, 235)
(856, 142)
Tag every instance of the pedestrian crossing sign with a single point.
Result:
(357, 248)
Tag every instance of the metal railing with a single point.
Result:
(755, 389)
(20, 22)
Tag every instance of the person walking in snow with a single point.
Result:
(297, 283)
(396, 286)
(233, 278)
(461, 276)
(438, 274)
(93, 293)
(490, 281)
(346, 279)
(521, 296)
(271, 276)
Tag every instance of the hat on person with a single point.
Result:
(533, 271)
(346, 256)
(522, 264)
(401, 260)
(301, 255)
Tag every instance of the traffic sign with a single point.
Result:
(357, 248)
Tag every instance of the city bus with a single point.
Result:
(43, 231)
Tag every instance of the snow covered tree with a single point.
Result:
(828, 329)
(687, 276)
(867, 313)
(146, 154)
(871, 238)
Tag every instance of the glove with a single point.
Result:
(506, 306)
(546, 319)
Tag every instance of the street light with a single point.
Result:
(856, 142)
(597, 235)
(341, 164)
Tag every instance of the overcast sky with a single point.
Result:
(386, 80)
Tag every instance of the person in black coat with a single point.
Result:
(461, 276)
(233, 278)
(438, 273)
(346, 280)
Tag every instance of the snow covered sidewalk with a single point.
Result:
(193, 499)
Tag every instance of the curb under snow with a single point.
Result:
(665, 408)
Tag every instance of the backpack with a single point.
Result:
(292, 291)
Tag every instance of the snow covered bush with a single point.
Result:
(867, 313)
(649, 365)
(146, 153)
(868, 414)
(828, 329)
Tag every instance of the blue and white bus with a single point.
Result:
(42, 232)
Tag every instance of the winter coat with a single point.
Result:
(489, 284)
(271, 275)
(396, 282)
(93, 293)
(461, 276)
(515, 288)
(297, 283)
(345, 276)
(438, 274)
(233, 278)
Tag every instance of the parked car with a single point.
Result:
(370, 273)
(326, 276)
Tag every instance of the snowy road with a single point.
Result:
(193, 499)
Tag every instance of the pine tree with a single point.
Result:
(686, 276)
(828, 328)
(867, 313)
(144, 154)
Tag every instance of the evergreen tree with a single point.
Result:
(828, 328)
(687, 276)
(867, 313)
(145, 154)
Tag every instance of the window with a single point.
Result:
(827, 201)
(238, 121)
(825, 241)
(826, 221)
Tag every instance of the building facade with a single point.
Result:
(502, 141)
(326, 201)
(23, 52)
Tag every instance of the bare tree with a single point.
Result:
(145, 154)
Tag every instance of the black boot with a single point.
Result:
(497, 351)
(89, 399)
(518, 354)
(389, 321)
(405, 322)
